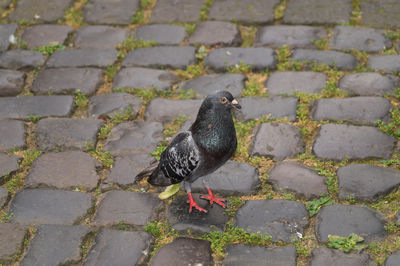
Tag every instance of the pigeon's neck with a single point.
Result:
(214, 132)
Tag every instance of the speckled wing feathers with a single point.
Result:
(181, 158)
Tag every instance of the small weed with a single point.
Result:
(253, 88)
(73, 16)
(29, 157)
(219, 241)
(122, 225)
(159, 150)
(130, 44)
(138, 18)
(5, 217)
(204, 9)
(392, 162)
(303, 250)
(191, 71)
(284, 62)
(332, 184)
(280, 9)
(146, 3)
(392, 35)
(50, 49)
(314, 206)
(171, 128)
(356, 13)
(248, 34)
(288, 196)
(162, 232)
(201, 52)
(346, 244)
(148, 94)
(81, 100)
(104, 157)
(186, 94)
(111, 71)
(393, 127)
(105, 131)
(234, 204)
(34, 118)
(321, 44)
(189, 28)
(240, 68)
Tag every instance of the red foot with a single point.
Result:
(194, 204)
(213, 199)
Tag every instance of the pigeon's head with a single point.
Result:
(223, 99)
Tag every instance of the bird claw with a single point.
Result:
(213, 199)
(194, 204)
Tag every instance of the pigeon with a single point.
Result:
(206, 146)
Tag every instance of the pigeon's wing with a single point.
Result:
(181, 158)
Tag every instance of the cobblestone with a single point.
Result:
(41, 35)
(175, 57)
(295, 36)
(3, 196)
(82, 58)
(369, 84)
(257, 58)
(14, 234)
(28, 10)
(6, 30)
(386, 63)
(13, 135)
(43, 106)
(68, 81)
(331, 58)
(162, 34)
(216, 33)
(204, 85)
(171, 11)
(165, 110)
(326, 256)
(380, 15)
(99, 37)
(21, 59)
(8, 165)
(110, 12)
(112, 104)
(289, 82)
(11, 82)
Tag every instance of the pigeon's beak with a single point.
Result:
(236, 104)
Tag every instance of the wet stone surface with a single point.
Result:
(366, 182)
(233, 178)
(277, 140)
(63, 242)
(11, 82)
(356, 110)
(167, 11)
(197, 222)
(340, 60)
(165, 110)
(386, 63)
(295, 36)
(134, 137)
(183, 251)
(251, 11)
(222, 58)
(12, 236)
(21, 59)
(5, 31)
(132, 208)
(145, 78)
(337, 142)
(289, 82)
(295, 177)
(326, 256)
(41, 35)
(82, 58)
(342, 220)
(162, 34)
(111, 104)
(317, 12)
(68, 81)
(239, 254)
(363, 39)
(54, 170)
(216, 33)
(44, 206)
(8, 165)
(39, 9)
(110, 12)
(127, 167)
(99, 37)
(174, 57)
(369, 84)
(13, 135)
(67, 133)
(204, 85)
(280, 219)
(273, 108)
(114, 247)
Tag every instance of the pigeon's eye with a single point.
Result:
(223, 100)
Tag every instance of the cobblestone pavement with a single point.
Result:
(92, 90)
